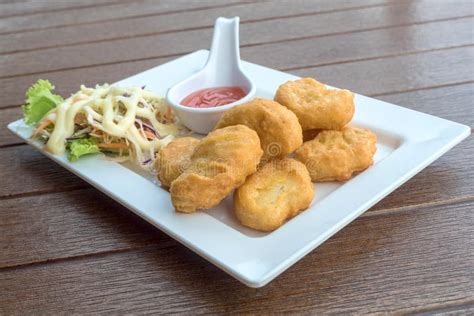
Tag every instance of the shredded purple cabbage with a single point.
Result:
(146, 126)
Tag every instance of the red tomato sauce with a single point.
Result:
(212, 97)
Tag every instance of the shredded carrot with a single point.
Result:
(168, 114)
(96, 131)
(113, 145)
(41, 127)
(149, 134)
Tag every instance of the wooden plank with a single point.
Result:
(12, 1)
(400, 258)
(280, 55)
(451, 310)
(398, 74)
(82, 221)
(118, 51)
(174, 22)
(452, 103)
(392, 263)
(26, 171)
(328, 50)
(107, 13)
(7, 116)
(68, 82)
(72, 223)
(34, 7)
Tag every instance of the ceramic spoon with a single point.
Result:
(222, 69)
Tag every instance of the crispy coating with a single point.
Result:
(274, 194)
(174, 159)
(337, 155)
(316, 106)
(310, 134)
(220, 163)
(276, 126)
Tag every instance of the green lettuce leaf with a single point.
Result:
(39, 101)
(81, 147)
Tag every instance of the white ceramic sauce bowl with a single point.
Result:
(222, 69)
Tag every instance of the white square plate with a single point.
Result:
(408, 141)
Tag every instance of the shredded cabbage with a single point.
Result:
(124, 123)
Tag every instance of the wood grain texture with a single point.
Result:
(398, 74)
(150, 24)
(403, 40)
(165, 44)
(282, 56)
(123, 10)
(34, 7)
(395, 262)
(67, 82)
(72, 223)
(86, 221)
(26, 171)
(7, 116)
(461, 310)
(65, 247)
(451, 102)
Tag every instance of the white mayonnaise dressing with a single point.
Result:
(101, 107)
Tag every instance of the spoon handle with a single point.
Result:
(224, 57)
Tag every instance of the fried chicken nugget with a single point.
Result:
(316, 106)
(220, 163)
(336, 155)
(174, 159)
(274, 194)
(276, 126)
(310, 134)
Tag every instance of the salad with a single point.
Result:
(125, 124)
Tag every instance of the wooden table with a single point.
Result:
(65, 247)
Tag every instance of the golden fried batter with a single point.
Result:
(277, 127)
(316, 106)
(274, 194)
(220, 163)
(174, 159)
(310, 134)
(336, 155)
